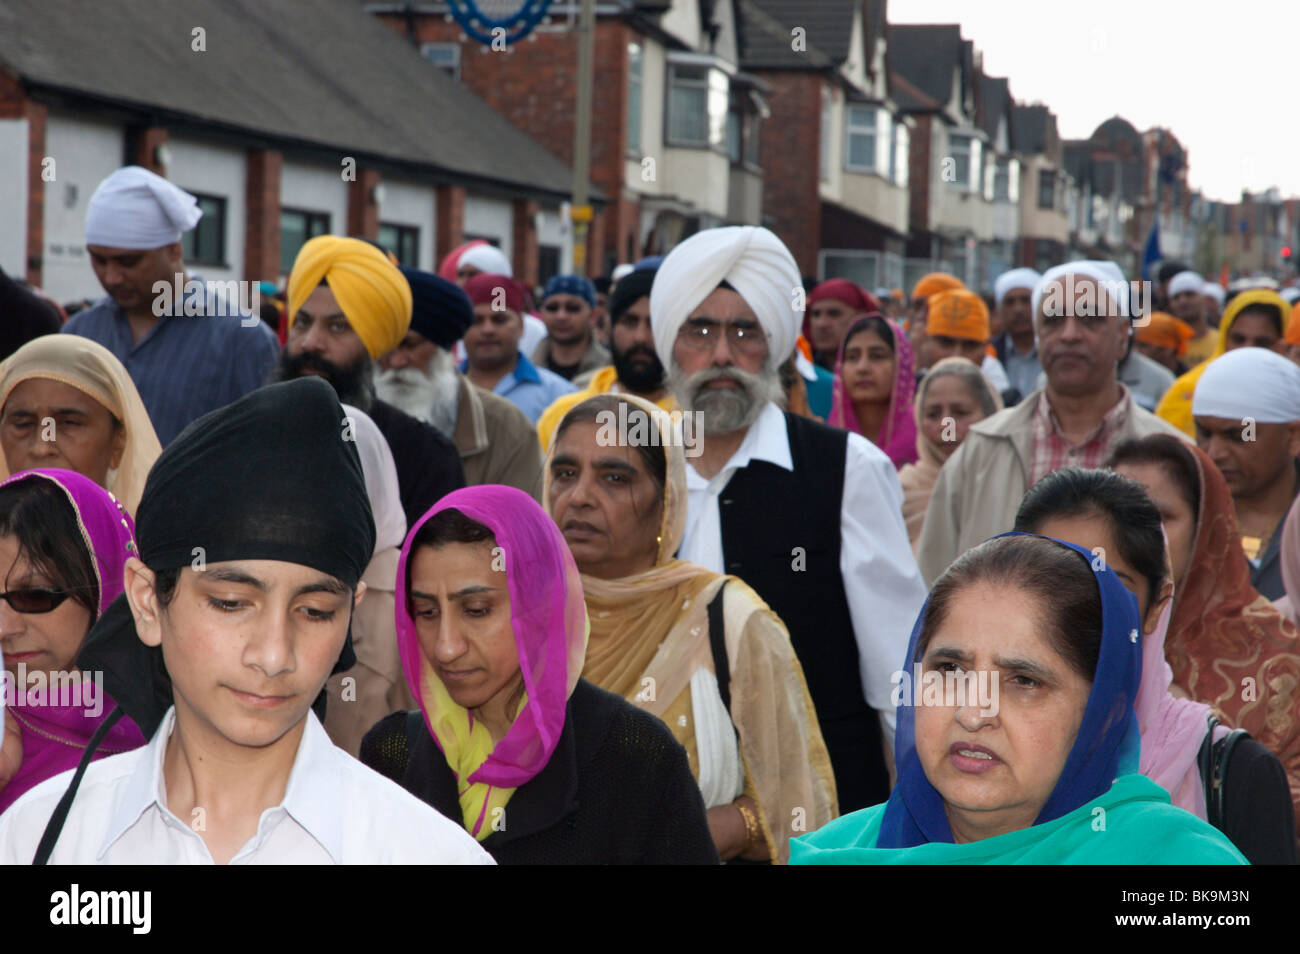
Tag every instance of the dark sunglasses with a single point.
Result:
(572, 307)
(35, 600)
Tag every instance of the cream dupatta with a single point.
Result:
(650, 639)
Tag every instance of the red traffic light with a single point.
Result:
(1286, 251)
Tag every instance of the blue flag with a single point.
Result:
(1151, 254)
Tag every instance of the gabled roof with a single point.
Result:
(992, 103)
(1029, 126)
(925, 56)
(765, 27)
(312, 73)
(909, 98)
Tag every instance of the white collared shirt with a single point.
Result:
(882, 583)
(335, 811)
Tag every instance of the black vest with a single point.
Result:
(781, 535)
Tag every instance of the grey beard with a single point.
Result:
(432, 398)
(726, 411)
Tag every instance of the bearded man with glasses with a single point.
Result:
(808, 515)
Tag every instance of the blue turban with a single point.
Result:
(571, 285)
(440, 310)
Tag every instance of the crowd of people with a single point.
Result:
(698, 563)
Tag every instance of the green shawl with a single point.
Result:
(1132, 823)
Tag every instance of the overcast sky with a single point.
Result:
(1222, 76)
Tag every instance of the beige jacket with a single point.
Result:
(497, 442)
(980, 486)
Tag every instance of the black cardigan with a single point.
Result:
(617, 789)
(1260, 819)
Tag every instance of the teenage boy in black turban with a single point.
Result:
(253, 531)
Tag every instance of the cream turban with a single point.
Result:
(753, 261)
(1185, 282)
(373, 294)
(1016, 278)
(135, 208)
(1214, 290)
(487, 258)
(1249, 382)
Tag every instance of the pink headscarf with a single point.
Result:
(55, 735)
(1172, 729)
(548, 615)
(898, 440)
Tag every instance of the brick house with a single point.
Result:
(834, 152)
(1045, 187)
(933, 75)
(281, 133)
(674, 120)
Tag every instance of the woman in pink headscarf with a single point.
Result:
(874, 384)
(539, 765)
(63, 543)
(1289, 605)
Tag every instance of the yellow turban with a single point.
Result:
(373, 294)
(935, 282)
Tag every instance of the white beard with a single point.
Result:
(432, 397)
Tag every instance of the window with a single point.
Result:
(860, 139)
(899, 156)
(959, 148)
(634, 72)
(296, 227)
(205, 244)
(548, 262)
(862, 268)
(743, 129)
(445, 56)
(697, 106)
(403, 241)
(827, 114)
(1046, 188)
(753, 128)
(734, 135)
(1002, 181)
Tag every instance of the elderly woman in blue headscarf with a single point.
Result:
(1017, 739)
(570, 348)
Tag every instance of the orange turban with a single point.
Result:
(1293, 326)
(958, 313)
(935, 282)
(1165, 331)
(374, 296)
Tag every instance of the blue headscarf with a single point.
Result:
(1106, 747)
(571, 285)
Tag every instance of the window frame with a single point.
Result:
(872, 130)
(404, 233)
(197, 255)
(311, 216)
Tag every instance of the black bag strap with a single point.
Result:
(54, 827)
(1213, 760)
(718, 644)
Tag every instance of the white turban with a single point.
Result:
(1214, 290)
(487, 258)
(753, 261)
(135, 208)
(621, 271)
(1016, 278)
(1105, 273)
(380, 473)
(1249, 382)
(1185, 282)
(1290, 294)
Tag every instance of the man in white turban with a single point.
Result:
(182, 367)
(1015, 345)
(1186, 296)
(1213, 295)
(1081, 413)
(808, 515)
(1247, 413)
(489, 260)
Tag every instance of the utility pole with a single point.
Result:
(580, 209)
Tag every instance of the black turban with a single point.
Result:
(273, 476)
(630, 287)
(440, 310)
